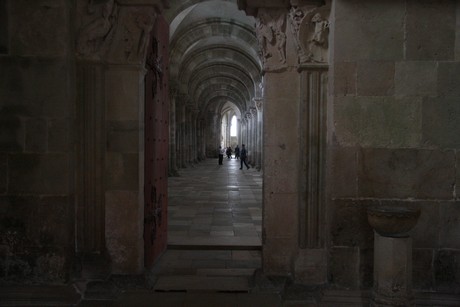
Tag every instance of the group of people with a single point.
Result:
(239, 154)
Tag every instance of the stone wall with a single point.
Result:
(36, 143)
(393, 134)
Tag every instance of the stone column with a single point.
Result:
(254, 137)
(90, 236)
(298, 35)
(172, 135)
(259, 104)
(183, 145)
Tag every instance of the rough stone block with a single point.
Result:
(366, 268)
(376, 32)
(416, 78)
(39, 173)
(448, 81)
(36, 135)
(447, 270)
(376, 78)
(280, 164)
(425, 233)
(344, 267)
(123, 136)
(311, 267)
(277, 255)
(457, 181)
(377, 121)
(122, 91)
(281, 215)
(457, 35)
(59, 138)
(430, 30)
(342, 172)
(46, 31)
(3, 173)
(440, 122)
(25, 85)
(122, 171)
(406, 173)
(124, 243)
(449, 230)
(345, 76)
(422, 274)
(12, 129)
(349, 225)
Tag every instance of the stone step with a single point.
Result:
(218, 242)
(225, 272)
(202, 283)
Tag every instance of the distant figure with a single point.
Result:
(229, 152)
(243, 156)
(237, 152)
(221, 152)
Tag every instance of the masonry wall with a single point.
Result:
(36, 143)
(393, 134)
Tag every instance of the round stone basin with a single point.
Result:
(392, 221)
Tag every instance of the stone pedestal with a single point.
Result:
(392, 271)
(392, 255)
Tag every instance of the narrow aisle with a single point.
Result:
(213, 205)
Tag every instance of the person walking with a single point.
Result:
(237, 152)
(243, 157)
(221, 152)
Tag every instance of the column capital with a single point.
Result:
(258, 103)
(251, 7)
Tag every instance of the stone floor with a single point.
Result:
(215, 205)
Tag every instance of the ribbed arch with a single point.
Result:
(210, 91)
(177, 6)
(217, 55)
(230, 82)
(207, 72)
(215, 27)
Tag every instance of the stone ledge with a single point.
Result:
(32, 295)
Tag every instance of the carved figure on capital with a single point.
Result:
(254, 112)
(136, 28)
(271, 35)
(310, 29)
(96, 35)
(259, 104)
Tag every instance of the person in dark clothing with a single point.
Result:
(229, 152)
(243, 157)
(221, 152)
(237, 152)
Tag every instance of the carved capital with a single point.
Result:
(271, 36)
(259, 104)
(99, 21)
(310, 29)
(253, 111)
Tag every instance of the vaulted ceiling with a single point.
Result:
(214, 58)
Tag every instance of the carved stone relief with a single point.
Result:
(259, 104)
(310, 29)
(95, 35)
(114, 33)
(132, 35)
(271, 35)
